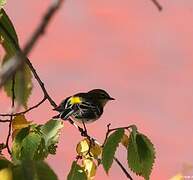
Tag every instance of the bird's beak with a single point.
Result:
(111, 98)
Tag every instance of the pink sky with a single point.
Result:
(142, 57)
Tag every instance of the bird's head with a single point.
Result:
(101, 96)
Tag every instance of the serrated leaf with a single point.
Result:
(141, 154)
(33, 170)
(51, 132)
(76, 172)
(110, 148)
(19, 122)
(89, 167)
(23, 77)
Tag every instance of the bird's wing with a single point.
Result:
(87, 110)
(66, 113)
(62, 105)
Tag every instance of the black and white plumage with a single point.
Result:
(83, 107)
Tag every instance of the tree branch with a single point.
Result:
(114, 129)
(4, 120)
(56, 4)
(23, 112)
(123, 168)
(157, 4)
(46, 95)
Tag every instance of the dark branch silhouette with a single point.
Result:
(23, 112)
(157, 4)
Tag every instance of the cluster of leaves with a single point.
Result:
(32, 143)
(140, 154)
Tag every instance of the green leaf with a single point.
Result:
(76, 172)
(36, 142)
(17, 143)
(110, 148)
(50, 132)
(41, 152)
(8, 34)
(33, 170)
(30, 145)
(141, 154)
(4, 163)
(44, 171)
(2, 3)
(23, 85)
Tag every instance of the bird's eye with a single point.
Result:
(103, 96)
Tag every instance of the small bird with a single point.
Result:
(83, 107)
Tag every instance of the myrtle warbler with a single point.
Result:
(83, 107)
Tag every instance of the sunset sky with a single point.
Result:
(142, 57)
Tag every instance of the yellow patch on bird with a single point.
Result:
(75, 100)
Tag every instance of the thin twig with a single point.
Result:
(11, 117)
(51, 101)
(23, 112)
(107, 133)
(56, 4)
(123, 168)
(4, 120)
(124, 127)
(114, 129)
(157, 4)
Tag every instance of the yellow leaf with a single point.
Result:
(125, 140)
(177, 177)
(18, 123)
(83, 149)
(89, 167)
(96, 150)
(6, 174)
